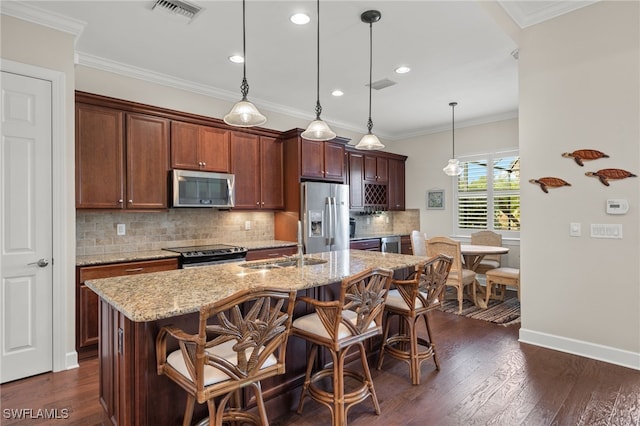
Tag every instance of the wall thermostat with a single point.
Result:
(618, 206)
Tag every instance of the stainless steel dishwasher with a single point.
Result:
(390, 244)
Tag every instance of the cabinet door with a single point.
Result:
(396, 185)
(99, 157)
(334, 161)
(147, 161)
(370, 169)
(214, 150)
(184, 146)
(312, 159)
(356, 186)
(272, 173)
(382, 169)
(245, 154)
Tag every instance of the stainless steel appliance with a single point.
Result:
(203, 189)
(390, 244)
(194, 256)
(325, 216)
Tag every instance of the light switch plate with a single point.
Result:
(606, 230)
(575, 229)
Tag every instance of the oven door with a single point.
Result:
(210, 262)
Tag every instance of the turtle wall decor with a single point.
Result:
(549, 182)
(581, 155)
(605, 175)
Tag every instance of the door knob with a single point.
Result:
(41, 263)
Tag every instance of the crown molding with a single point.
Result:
(46, 18)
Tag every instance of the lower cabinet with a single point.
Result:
(270, 253)
(372, 244)
(405, 244)
(87, 300)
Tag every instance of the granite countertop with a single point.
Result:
(99, 259)
(148, 297)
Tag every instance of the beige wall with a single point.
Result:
(579, 88)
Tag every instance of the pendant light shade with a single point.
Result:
(318, 130)
(370, 141)
(244, 113)
(453, 167)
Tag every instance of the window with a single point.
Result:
(487, 195)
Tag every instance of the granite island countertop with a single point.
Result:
(153, 296)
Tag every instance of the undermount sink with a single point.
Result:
(283, 263)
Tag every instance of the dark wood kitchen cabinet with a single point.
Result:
(322, 160)
(356, 182)
(376, 169)
(87, 301)
(258, 165)
(196, 147)
(396, 184)
(370, 244)
(270, 253)
(122, 159)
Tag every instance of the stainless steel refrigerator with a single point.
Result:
(325, 216)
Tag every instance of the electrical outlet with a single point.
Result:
(121, 229)
(247, 225)
(368, 221)
(575, 229)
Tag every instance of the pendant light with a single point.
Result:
(244, 113)
(318, 130)
(453, 168)
(370, 141)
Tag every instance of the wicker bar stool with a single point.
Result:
(241, 340)
(338, 326)
(412, 300)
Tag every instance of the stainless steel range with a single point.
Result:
(194, 256)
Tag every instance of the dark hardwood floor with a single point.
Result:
(487, 378)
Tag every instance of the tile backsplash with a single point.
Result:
(96, 232)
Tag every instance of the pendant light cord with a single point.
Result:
(370, 122)
(318, 106)
(453, 134)
(244, 87)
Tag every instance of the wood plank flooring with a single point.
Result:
(487, 378)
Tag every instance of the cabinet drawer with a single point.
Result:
(271, 253)
(372, 244)
(129, 268)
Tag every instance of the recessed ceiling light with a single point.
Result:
(337, 93)
(236, 59)
(402, 70)
(300, 18)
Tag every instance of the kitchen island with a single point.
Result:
(134, 308)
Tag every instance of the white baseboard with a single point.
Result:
(71, 360)
(577, 347)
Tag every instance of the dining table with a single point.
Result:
(473, 255)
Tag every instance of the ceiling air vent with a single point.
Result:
(177, 8)
(381, 84)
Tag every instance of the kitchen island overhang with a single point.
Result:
(134, 308)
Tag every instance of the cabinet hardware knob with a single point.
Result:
(120, 201)
(204, 163)
(130, 201)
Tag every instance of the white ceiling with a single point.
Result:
(454, 48)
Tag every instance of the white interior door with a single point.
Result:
(26, 225)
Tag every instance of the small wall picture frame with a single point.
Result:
(435, 199)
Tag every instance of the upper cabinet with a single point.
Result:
(257, 162)
(122, 159)
(376, 169)
(322, 160)
(376, 180)
(197, 147)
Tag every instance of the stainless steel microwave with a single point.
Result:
(203, 189)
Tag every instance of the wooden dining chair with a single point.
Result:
(241, 340)
(338, 326)
(487, 238)
(418, 243)
(412, 300)
(459, 277)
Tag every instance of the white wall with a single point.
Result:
(579, 88)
